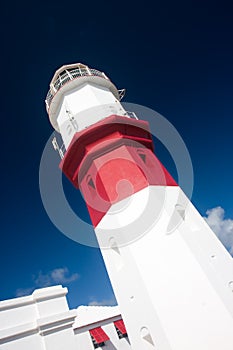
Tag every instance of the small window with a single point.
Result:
(142, 155)
(90, 181)
(98, 336)
(120, 328)
(97, 345)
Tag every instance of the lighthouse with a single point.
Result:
(172, 278)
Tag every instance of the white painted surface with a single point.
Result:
(84, 106)
(91, 314)
(71, 86)
(42, 321)
(92, 317)
(171, 291)
(28, 342)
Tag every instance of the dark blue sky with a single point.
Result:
(173, 56)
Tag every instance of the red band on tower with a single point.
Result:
(111, 161)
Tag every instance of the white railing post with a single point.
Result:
(69, 75)
(89, 72)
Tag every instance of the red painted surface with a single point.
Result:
(100, 138)
(99, 335)
(121, 326)
(110, 162)
(117, 175)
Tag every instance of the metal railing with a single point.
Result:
(69, 75)
(131, 115)
(61, 150)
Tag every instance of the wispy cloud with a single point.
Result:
(57, 276)
(21, 292)
(222, 227)
(104, 302)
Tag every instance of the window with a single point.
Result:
(98, 337)
(90, 181)
(120, 328)
(142, 155)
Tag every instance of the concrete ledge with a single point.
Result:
(16, 302)
(53, 323)
(27, 329)
(49, 293)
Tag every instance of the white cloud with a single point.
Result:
(104, 302)
(223, 228)
(57, 276)
(21, 292)
(62, 275)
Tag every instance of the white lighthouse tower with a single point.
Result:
(171, 276)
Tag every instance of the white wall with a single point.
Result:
(42, 321)
(39, 321)
(89, 317)
(174, 282)
(87, 104)
(32, 342)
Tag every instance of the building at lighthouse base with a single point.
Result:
(43, 321)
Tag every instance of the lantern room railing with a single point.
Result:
(68, 75)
